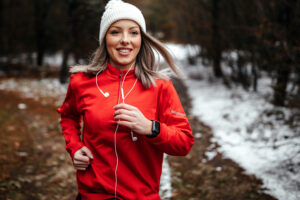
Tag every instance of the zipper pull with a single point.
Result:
(120, 75)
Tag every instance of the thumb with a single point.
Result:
(87, 152)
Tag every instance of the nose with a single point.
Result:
(125, 39)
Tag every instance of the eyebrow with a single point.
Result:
(121, 27)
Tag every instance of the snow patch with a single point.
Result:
(246, 135)
(165, 190)
(22, 106)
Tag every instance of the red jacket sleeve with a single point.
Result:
(70, 121)
(175, 136)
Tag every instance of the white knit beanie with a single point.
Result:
(116, 10)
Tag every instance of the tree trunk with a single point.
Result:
(254, 69)
(284, 70)
(254, 74)
(1, 27)
(69, 39)
(216, 48)
(281, 84)
(2, 47)
(298, 78)
(40, 14)
(64, 67)
(217, 64)
(242, 76)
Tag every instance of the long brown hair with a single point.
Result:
(146, 68)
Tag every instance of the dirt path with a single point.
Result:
(33, 161)
(34, 164)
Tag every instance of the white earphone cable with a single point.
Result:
(106, 94)
(117, 162)
(115, 135)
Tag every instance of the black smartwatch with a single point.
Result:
(155, 129)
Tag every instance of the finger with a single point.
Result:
(124, 106)
(124, 111)
(87, 152)
(81, 169)
(127, 124)
(78, 162)
(81, 165)
(81, 158)
(124, 117)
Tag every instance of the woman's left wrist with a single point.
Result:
(149, 128)
(155, 129)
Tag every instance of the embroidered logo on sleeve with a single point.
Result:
(177, 113)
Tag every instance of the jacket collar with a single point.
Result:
(116, 72)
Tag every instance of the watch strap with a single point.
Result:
(155, 129)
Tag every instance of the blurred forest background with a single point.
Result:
(240, 41)
(264, 33)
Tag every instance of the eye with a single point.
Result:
(114, 32)
(134, 32)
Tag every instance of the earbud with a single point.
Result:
(134, 138)
(106, 94)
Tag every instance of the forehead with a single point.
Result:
(125, 23)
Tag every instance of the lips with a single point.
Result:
(124, 51)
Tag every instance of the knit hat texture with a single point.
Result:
(116, 10)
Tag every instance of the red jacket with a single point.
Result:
(140, 162)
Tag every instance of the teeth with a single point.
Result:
(124, 50)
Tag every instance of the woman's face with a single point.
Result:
(123, 42)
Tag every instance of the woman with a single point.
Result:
(131, 112)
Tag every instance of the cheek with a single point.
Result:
(138, 44)
(111, 41)
(110, 45)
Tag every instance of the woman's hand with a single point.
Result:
(82, 158)
(133, 118)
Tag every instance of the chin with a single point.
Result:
(124, 63)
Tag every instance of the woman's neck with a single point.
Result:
(122, 67)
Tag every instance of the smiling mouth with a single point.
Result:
(124, 50)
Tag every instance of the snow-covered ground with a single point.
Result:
(248, 128)
(45, 91)
(246, 135)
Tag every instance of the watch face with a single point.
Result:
(155, 129)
